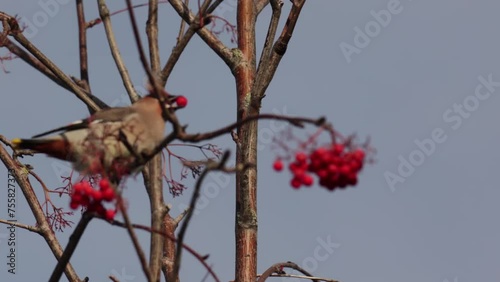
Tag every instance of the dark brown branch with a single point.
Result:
(192, 205)
(70, 248)
(278, 268)
(193, 138)
(152, 33)
(214, 6)
(115, 52)
(82, 38)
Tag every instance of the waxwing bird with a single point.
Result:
(109, 141)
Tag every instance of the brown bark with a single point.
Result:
(246, 149)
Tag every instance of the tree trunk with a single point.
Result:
(246, 149)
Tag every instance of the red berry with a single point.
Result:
(74, 204)
(97, 195)
(345, 169)
(78, 187)
(87, 189)
(359, 154)
(104, 184)
(278, 165)
(323, 173)
(181, 101)
(108, 195)
(110, 214)
(355, 165)
(307, 180)
(301, 157)
(338, 149)
(332, 168)
(296, 183)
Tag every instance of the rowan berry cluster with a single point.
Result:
(86, 196)
(336, 166)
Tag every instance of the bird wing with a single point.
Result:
(106, 115)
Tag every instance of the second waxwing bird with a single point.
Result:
(108, 141)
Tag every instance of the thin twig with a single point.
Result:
(115, 52)
(192, 205)
(265, 56)
(210, 39)
(152, 34)
(302, 277)
(135, 241)
(39, 65)
(279, 49)
(278, 268)
(56, 71)
(193, 138)
(22, 225)
(176, 53)
(190, 250)
(183, 25)
(182, 41)
(82, 38)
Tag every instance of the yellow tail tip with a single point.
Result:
(16, 142)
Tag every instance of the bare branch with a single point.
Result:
(176, 53)
(261, 4)
(21, 225)
(70, 248)
(212, 41)
(196, 194)
(115, 52)
(183, 24)
(55, 70)
(278, 268)
(314, 278)
(39, 65)
(152, 33)
(20, 174)
(82, 37)
(279, 49)
(183, 40)
(193, 138)
(190, 250)
(135, 241)
(265, 56)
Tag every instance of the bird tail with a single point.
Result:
(57, 148)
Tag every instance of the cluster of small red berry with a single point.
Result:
(86, 196)
(336, 167)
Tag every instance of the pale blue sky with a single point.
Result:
(437, 225)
